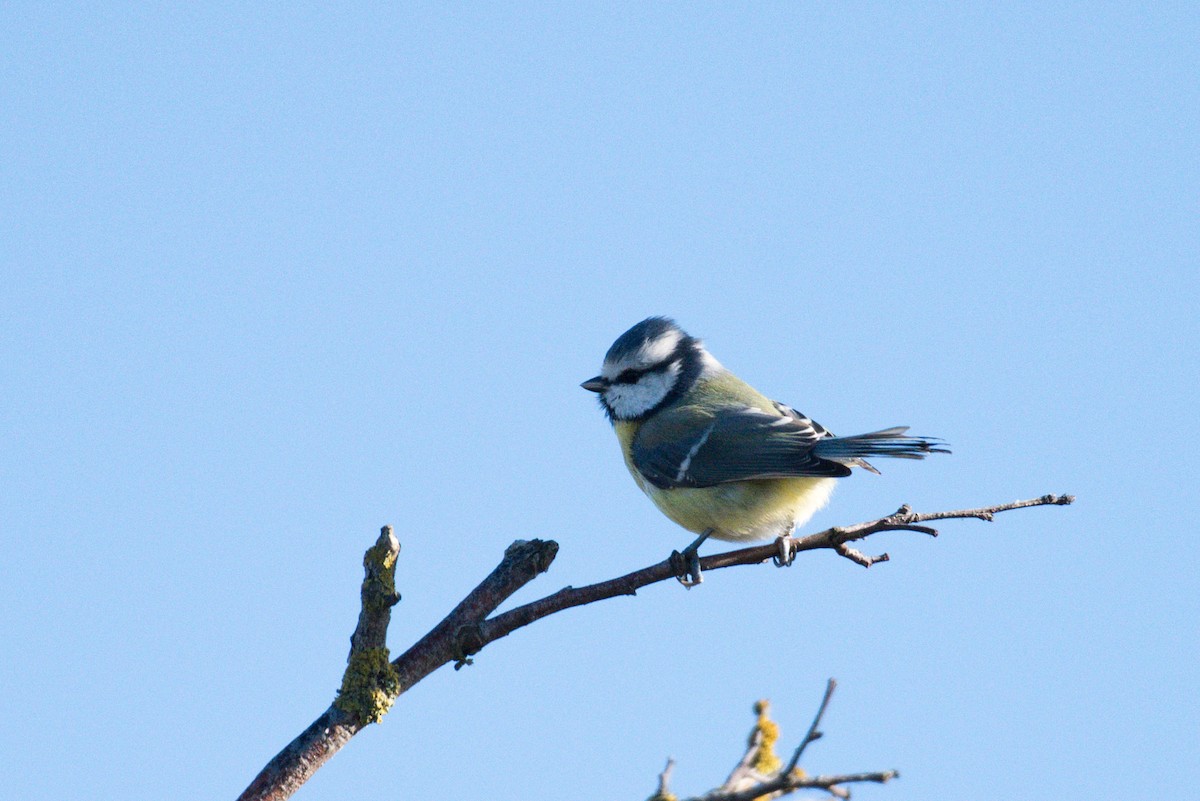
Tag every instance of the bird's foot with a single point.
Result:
(687, 568)
(787, 548)
(686, 563)
(787, 551)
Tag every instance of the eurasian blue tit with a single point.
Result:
(715, 455)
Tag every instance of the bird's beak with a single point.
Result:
(597, 384)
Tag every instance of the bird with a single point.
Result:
(714, 454)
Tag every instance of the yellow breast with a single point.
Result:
(739, 510)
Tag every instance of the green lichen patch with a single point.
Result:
(370, 685)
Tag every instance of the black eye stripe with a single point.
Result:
(632, 376)
(629, 376)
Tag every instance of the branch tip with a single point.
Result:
(858, 557)
(537, 553)
(663, 793)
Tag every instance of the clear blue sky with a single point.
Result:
(275, 276)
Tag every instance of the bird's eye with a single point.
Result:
(628, 377)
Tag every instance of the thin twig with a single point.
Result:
(664, 783)
(784, 783)
(814, 732)
(834, 539)
(904, 519)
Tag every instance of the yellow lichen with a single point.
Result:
(766, 732)
(370, 685)
(380, 562)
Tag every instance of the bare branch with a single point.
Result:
(456, 637)
(905, 519)
(783, 784)
(835, 539)
(326, 735)
(299, 760)
(371, 683)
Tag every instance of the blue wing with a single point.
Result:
(685, 448)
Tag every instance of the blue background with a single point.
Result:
(276, 275)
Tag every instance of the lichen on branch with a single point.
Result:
(370, 685)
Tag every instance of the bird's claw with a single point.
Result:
(787, 553)
(686, 567)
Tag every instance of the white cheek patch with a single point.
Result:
(633, 400)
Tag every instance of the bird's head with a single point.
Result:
(648, 366)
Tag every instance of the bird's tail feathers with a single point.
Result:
(893, 442)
